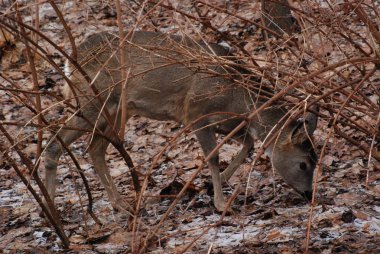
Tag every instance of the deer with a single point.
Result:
(174, 78)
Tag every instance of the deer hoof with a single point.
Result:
(221, 207)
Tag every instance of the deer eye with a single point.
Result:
(303, 166)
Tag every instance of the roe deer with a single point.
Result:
(170, 78)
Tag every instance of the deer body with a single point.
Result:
(169, 78)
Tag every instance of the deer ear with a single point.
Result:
(305, 128)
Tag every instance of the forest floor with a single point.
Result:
(267, 216)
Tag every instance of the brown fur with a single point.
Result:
(174, 78)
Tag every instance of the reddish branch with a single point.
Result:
(358, 9)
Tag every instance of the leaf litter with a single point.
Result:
(271, 218)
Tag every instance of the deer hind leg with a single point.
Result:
(97, 152)
(207, 139)
(247, 142)
(54, 151)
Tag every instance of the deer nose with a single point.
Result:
(308, 195)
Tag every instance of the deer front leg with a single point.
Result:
(247, 141)
(219, 201)
(207, 139)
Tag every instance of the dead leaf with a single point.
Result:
(360, 215)
(273, 235)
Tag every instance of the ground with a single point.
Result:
(267, 215)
